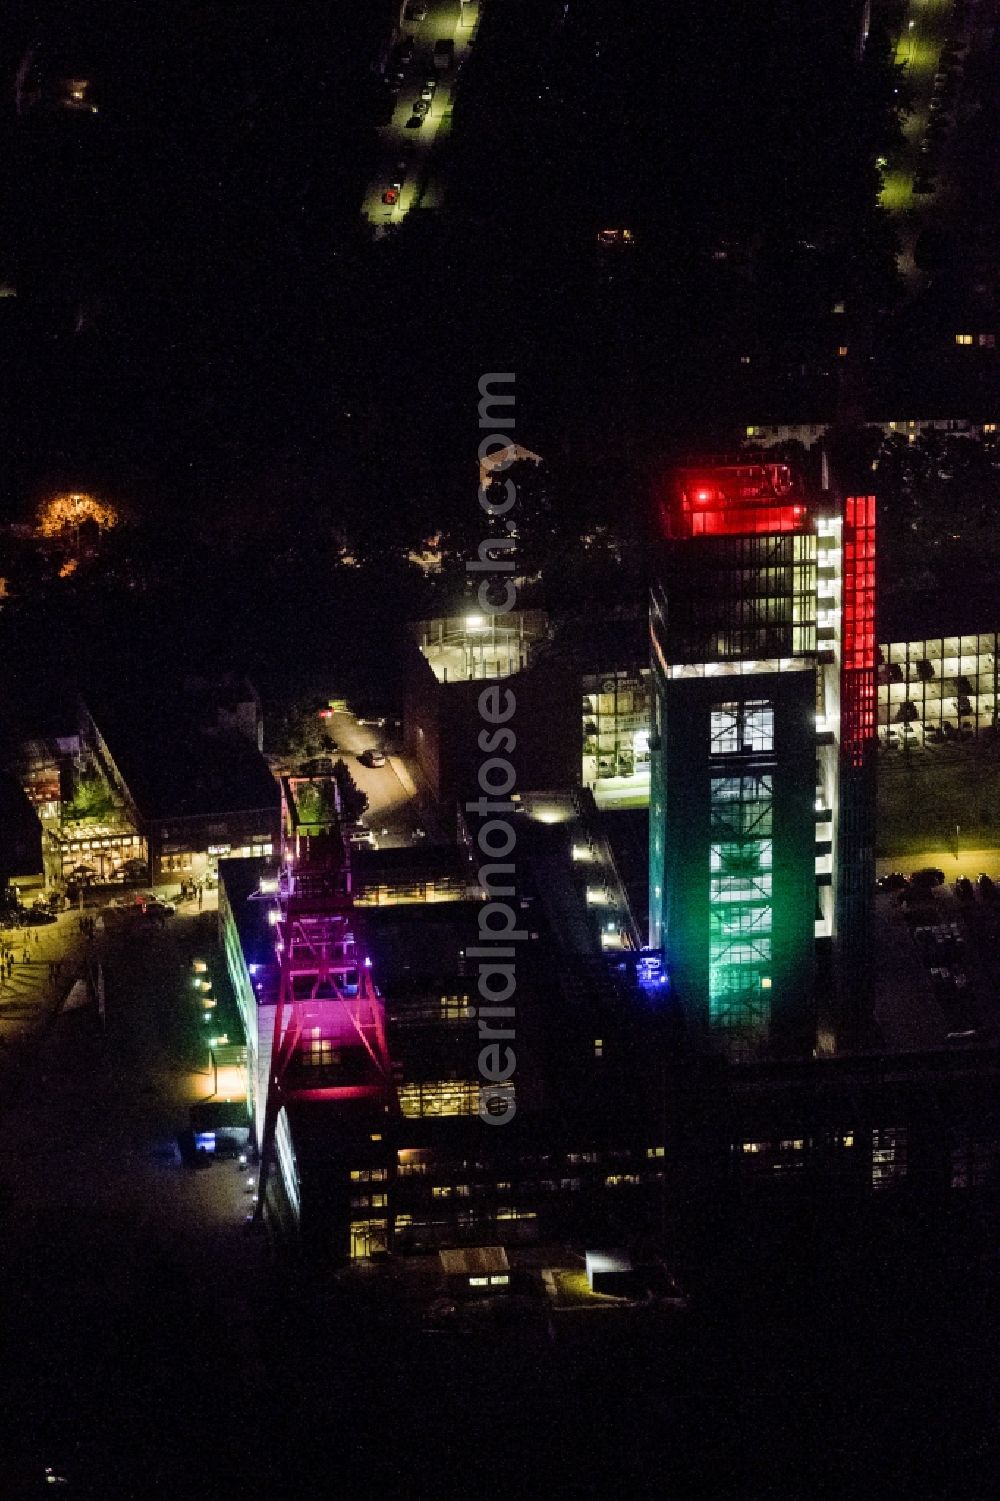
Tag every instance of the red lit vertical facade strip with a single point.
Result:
(858, 673)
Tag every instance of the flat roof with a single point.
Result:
(174, 769)
(240, 879)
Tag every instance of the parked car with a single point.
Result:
(421, 107)
(894, 881)
(987, 888)
(444, 52)
(964, 889)
(928, 876)
(372, 757)
(360, 837)
(156, 906)
(319, 766)
(38, 917)
(414, 122)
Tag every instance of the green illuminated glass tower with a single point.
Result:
(762, 760)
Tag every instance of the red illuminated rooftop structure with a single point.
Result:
(734, 500)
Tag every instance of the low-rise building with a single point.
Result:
(194, 797)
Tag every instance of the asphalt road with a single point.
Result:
(393, 804)
(445, 18)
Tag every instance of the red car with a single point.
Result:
(391, 195)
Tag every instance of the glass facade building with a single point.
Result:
(762, 634)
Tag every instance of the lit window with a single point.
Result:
(598, 1048)
(847, 1140)
(747, 726)
(753, 1146)
(989, 427)
(654, 1151)
(500, 1281)
(752, 432)
(963, 339)
(842, 351)
(479, 1281)
(765, 982)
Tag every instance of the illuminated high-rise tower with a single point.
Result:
(762, 759)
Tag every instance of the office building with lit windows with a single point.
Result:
(762, 759)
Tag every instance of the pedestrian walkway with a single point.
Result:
(32, 987)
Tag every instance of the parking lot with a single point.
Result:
(937, 964)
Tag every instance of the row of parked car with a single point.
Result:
(941, 944)
(944, 734)
(144, 904)
(40, 914)
(947, 81)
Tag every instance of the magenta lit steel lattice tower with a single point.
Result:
(329, 1041)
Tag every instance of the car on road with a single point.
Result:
(391, 194)
(372, 757)
(415, 11)
(421, 106)
(414, 122)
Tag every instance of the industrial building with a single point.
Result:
(762, 759)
